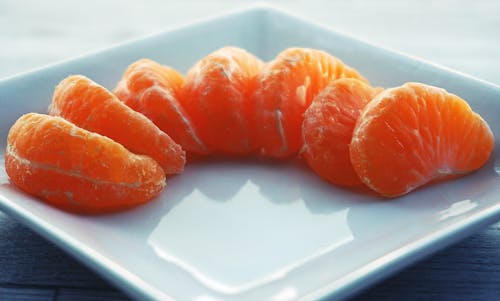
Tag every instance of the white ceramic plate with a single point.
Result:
(251, 230)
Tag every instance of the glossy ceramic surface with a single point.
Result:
(257, 230)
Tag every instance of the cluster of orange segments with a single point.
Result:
(99, 151)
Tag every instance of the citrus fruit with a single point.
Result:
(285, 88)
(154, 90)
(415, 134)
(327, 129)
(216, 96)
(77, 170)
(92, 107)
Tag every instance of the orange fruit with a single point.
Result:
(154, 90)
(415, 134)
(216, 96)
(327, 129)
(92, 107)
(286, 86)
(77, 170)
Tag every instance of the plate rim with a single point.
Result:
(402, 257)
(257, 8)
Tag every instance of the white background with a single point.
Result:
(463, 35)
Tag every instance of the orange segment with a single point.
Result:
(414, 134)
(77, 170)
(92, 107)
(217, 98)
(286, 87)
(327, 129)
(154, 90)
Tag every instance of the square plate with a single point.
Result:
(251, 230)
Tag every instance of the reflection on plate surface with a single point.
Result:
(457, 209)
(253, 253)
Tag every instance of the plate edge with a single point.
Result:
(390, 263)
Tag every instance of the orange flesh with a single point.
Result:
(77, 170)
(414, 134)
(216, 96)
(154, 90)
(327, 129)
(92, 107)
(233, 104)
(285, 88)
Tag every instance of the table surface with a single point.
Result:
(463, 35)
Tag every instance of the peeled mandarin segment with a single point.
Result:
(92, 107)
(327, 129)
(415, 134)
(285, 88)
(154, 90)
(216, 96)
(77, 170)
